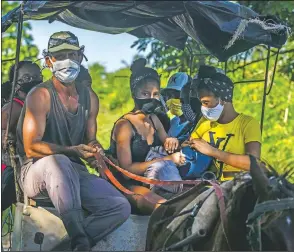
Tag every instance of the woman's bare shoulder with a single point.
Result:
(122, 128)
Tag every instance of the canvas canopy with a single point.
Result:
(224, 28)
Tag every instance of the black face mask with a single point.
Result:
(149, 106)
(26, 87)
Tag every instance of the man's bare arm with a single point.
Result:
(236, 160)
(91, 130)
(37, 107)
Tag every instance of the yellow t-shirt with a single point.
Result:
(230, 137)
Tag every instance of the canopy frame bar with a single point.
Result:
(8, 143)
(15, 73)
(265, 88)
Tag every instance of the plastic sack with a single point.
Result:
(196, 164)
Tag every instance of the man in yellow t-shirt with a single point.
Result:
(222, 132)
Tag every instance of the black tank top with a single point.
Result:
(139, 146)
(62, 127)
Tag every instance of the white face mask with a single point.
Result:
(66, 71)
(212, 114)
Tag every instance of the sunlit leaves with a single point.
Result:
(28, 49)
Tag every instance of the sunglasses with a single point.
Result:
(26, 78)
(53, 42)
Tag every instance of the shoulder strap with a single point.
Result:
(122, 117)
(133, 127)
(19, 101)
(153, 124)
(47, 84)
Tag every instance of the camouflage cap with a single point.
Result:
(63, 40)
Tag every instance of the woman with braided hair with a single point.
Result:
(222, 132)
(137, 139)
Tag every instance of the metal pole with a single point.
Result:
(265, 88)
(15, 74)
(191, 64)
(191, 58)
(249, 81)
(273, 77)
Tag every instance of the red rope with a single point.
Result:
(147, 180)
(216, 186)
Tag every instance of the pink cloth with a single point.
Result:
(18, 101)
(3, 166)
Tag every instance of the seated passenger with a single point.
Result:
(171, 94)
(136, 133)
(223, 133)
(57, 128)
(29, 75)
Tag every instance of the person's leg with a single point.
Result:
(146, 201)
(164, 170)
(55, 176)
(108, 207)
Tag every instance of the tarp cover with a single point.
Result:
(212, 23)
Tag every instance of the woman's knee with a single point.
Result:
(145, 201)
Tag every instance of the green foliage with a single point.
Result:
(278, 137)
(28, 51)
(114, 96)
(111, 86)
(47, 74)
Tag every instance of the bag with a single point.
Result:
(196, 164)
(158, 232)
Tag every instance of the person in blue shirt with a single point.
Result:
(171, 94)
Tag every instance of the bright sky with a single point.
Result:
(109, 50)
